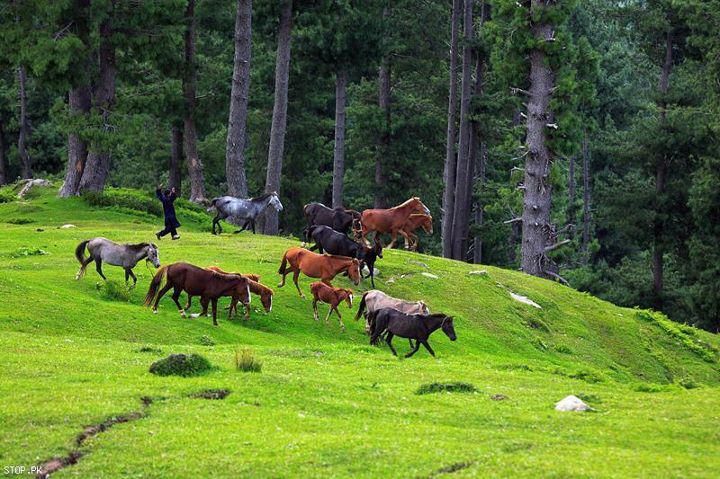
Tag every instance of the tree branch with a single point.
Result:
(556, 245)
(557, 277)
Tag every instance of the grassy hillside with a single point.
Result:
(326, 403)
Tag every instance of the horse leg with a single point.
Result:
(214, 311)
(415, 349)
(427, 346)
(388, 340)
(214, 224)
(408, 241)
(339, 317)
(162, 292)
(372, 274)
(132, 275)
(296, 275)
(176, 298)
(98, 267)
(127, 276)
(393, 236)
(204, 302)
(315, 310)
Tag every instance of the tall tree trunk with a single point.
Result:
(97, 165)
(3, 162)
(537, 231)
(339, 150)
(194, 165)
(571, 193)
(661, 172)
(237, 121)
(586, 196)
(463, 166)
(24, 133)
(176, 154)
(479, 216)
(79, 103)
(279, 118)
(448, 204)
(384, 78)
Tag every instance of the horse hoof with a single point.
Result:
(155, 311)
(195, 315)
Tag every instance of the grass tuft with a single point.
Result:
(20, 221)
(245, 361)
(24, 252)
(454, 387)
(149, 349)
(206, 340)
(181, 365)
(114, 291)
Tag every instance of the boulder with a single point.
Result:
(524, 300)
(572, 403)
(429, 275)
(481, 272)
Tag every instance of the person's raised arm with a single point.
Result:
(159, 193)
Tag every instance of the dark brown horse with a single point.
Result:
(195, 281)
(332, 296)
(414, 222)
(256, 287)
(391, 219)
(323, 266)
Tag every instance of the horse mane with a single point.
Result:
(261, 286)
(263, 197)
(407, 202)
(137, 246)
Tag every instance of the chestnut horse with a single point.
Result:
(196, 281)
(332, 296)
(256, 287)
(392, 219)
(323, 266)
(414, 222)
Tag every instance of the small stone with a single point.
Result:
(498, 397)
(524, 300)
(39, 230)
(66, 226)
(429, 275)
(419, 263)
(366, 271)
(572, 403)
(390, 281)
(481, 272)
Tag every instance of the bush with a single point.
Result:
(206, 340)
(245, 361)
(19, 221)
(149, 349)
(7, 196)
(181, 365)
(114, 291)
(455, 387)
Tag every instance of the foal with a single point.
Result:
(327, 294)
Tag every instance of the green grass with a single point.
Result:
(327, 404)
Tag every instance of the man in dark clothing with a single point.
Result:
(167, 198)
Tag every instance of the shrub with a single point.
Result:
(181, 365)
(454, 387)
(114, 291)
(19, 221)
(245, 361)
(702, 349)
(7, 196)
(149, 349)
(206, 340)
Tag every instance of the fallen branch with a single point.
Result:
(557, 277)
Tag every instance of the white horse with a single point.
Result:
(241, 211)
(124, 255)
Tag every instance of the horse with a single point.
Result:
(124, 255)
(339, 219)
(327, 240)
(327, 294)
(195, 281)
(391, 219)
(374, 300)
(323, 266)
(241, 211)
(414, 222)
(256, 287)
(239, 294)
(411, 326)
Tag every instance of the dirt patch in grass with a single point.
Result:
(456, 387)
(214, 394)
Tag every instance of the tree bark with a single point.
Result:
(479, 214)
(384, 82)
(176, 154)
(571, 192)
(339, 150)
(237, 121)
(463, 166)
(3, 162)
(448, 204)
(194, 165)
(661, 172)
(97, 165)
(79, 103)
(586, 196)
(279, 119)
(24, 133)
(537, 231)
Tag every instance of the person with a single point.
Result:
(167, 198)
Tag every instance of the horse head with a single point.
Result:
(419, 206)
(354, 271)
(266, 299)
(423, 306)
(153, 255)
(275, 201)
(448, 329)
(427, 224)
(348, 297)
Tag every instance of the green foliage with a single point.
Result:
(114, 290)
(452, 387)
(181, 365)
(24, 252)
(246, 361)
(19, 221)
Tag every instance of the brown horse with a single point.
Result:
(327, 294)
(196, 281)
(391, 219)
(256, 287)
(323, 266)
(414, 222)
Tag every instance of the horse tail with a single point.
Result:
(283, 264)
(80, 251)
(155, 285)
(361, 308)
(375, 329)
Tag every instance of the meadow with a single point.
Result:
(326, 403)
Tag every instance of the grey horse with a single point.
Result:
(241, 211)
(124, 255)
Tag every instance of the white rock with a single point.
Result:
(429, 275)
(481, 272)
(68, 226)
(419, 263)
(366, 271)
(30, 183)
(572, 403)
(525, 300)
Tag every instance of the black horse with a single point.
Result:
(338, 219)
(411, 326)
(327, 240)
